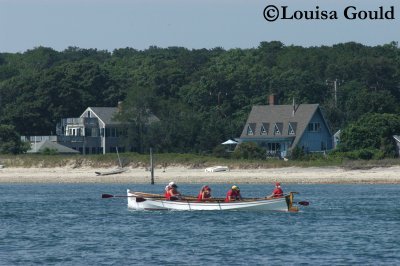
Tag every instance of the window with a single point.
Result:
(250, 129)
(292, 128)
(264, 129)
(88, 114)
(314, 127)
(273, 149)
(278, 128)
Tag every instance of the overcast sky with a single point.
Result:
(111, 24)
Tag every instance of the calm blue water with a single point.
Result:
(71, 225)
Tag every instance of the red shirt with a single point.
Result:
(232, 194)
(200, 196)
(167, 195)
(278, 192)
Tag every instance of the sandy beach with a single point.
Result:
(313, 175)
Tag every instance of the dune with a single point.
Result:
(311, 175)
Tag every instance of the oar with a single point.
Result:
(304, 203)
(106, 196)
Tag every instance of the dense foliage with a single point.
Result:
(10, 141)
(202, 97)
(371, 132)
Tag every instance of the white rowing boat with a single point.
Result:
(112, 172)
(146, 201)
(217, 169)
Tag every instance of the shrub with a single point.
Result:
(363, 154)
(296, 153)
(221, 152)
(249, 150)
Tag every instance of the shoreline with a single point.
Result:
(294, 175)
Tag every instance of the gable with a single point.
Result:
(265, 120)
(104, 114)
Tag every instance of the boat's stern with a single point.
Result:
(289, 201)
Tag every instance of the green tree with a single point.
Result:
(10, 141)
(371, 131)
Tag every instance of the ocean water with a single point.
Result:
(58, 224)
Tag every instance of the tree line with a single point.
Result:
(201, 96)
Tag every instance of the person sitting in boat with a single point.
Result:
(233, 194)
(173, 193)
(278, 192)
(204, 194)
(167, 188)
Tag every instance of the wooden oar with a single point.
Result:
(106, 196)
(304, 203)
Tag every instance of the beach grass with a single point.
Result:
(166, 160)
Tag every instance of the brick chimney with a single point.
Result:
(272, 99)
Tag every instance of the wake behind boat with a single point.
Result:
(147, 201)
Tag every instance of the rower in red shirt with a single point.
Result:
(167, 188)
(204, 194)
(233, 194)
(278, 192)
(171, 192)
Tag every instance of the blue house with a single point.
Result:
(280, 128)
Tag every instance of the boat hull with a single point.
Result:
(112, 172)
(138, 201)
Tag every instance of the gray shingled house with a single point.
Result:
(95, 131)
(280, 128)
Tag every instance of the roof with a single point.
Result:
(229, 141)
(40, 146)
(397, 138)
(107, 114)
(280, 115)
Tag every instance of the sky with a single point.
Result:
(194, 24)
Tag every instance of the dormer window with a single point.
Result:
(292, 128)
(278, 129)
(250, 129)
(264, 129)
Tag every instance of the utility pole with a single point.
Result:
(335, 86)
(335, 83)
(151, 166)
